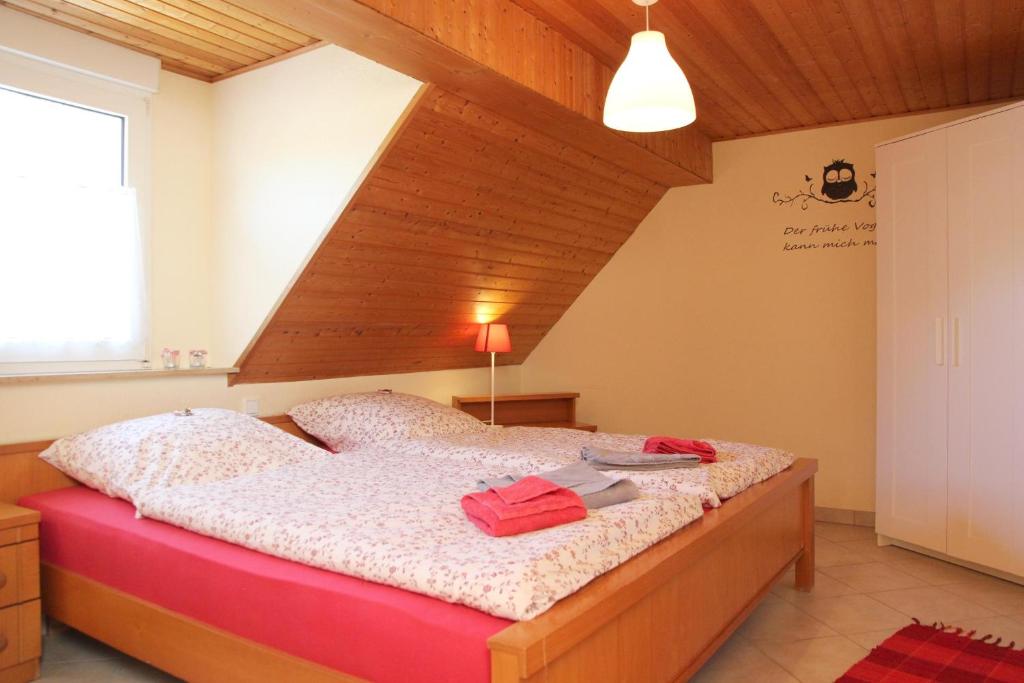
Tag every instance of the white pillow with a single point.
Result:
(350, 421)
(125, 459)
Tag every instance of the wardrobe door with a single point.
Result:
(912, 364)
(986, 278)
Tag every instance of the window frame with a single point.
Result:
(55, 82)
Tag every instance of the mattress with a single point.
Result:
(370, 630)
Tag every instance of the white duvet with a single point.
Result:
(396, 519)
(531, 450)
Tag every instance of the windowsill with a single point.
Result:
(98, 375)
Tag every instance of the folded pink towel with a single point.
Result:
(525, 490)
(668, 444)
(530, 504)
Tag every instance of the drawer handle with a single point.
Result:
(3, 642)
(3, 579)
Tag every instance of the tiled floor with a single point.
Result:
(863, 593)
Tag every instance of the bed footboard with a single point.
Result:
(661, 615)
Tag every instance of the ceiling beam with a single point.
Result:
(500, 56)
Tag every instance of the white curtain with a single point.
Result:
(71, 277)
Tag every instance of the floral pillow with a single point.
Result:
(350, 421)
(125, 459)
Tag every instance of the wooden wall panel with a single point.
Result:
(463, 216)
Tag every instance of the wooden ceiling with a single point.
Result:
(761, 66)
(205, 39)
(464, 216)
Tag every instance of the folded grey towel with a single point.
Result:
(580, 477)
(622, 491)
(597, 490)
(605, 459)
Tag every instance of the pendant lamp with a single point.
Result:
(649, 92)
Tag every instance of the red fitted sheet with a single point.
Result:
(367, 629)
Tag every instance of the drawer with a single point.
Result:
(19, 534)
(19, 573)
(20, 633)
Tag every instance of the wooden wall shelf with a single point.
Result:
(525, 410)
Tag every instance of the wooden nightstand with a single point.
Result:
(525, 410)
(20, 613)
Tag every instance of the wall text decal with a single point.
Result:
(829, 236)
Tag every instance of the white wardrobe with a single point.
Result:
(951, 339)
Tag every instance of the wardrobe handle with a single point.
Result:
(956, 342)
(940, 341)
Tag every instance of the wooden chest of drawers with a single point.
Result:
(20, 613)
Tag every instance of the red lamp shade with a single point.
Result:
(493, 337)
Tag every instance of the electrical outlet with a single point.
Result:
(252, 407)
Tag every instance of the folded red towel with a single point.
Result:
(668, 444)
(530, 504)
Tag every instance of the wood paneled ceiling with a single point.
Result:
(761, 66)
(205, 39)
(464, 216)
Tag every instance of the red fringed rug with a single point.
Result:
(919, 653)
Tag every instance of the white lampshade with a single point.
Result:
(649, 92)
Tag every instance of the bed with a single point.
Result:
(641, 621)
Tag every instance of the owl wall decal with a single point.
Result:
(838, 180)
(838, 186)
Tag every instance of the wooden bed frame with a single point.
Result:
(657, 617)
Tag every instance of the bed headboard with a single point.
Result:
(285, 423)
(22, 473)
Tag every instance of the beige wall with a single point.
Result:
(290, 140)
(181, 304)
(30, 412)
(702, 325)
(246, 175)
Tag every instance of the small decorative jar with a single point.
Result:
(197, 358)
(170, 358)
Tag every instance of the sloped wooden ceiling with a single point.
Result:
(465, 216)
(204, 39)
(761, 66)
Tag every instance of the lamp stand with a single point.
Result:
(492, 388)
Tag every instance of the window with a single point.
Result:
(61, 142)
(72, 283)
